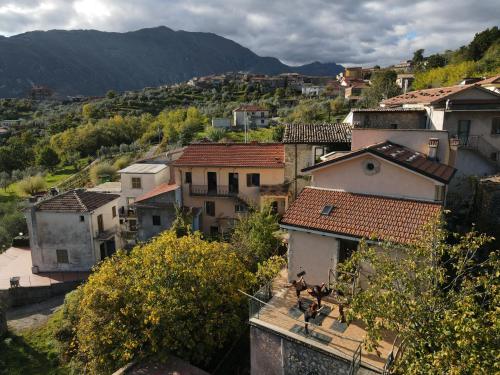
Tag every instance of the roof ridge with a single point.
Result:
(76, 194)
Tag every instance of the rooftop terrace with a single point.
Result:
(281, 315)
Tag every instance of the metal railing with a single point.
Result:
(216, 191)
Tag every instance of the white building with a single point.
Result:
(312, 90)
(251, 116)
(73, 231)
(221, 122)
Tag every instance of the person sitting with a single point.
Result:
(309, 314)
(319, 291)
(299, 285)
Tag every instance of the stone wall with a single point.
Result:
(488, 206)
(21, 296)
(297, 156)
(272, 354)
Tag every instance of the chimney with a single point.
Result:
(433, 146)
(454, 143)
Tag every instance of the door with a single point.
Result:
(212, 183)
(346, 248)
(463, 131)
(102, 249)
(100, 224)
(110, 247)
(233, 183)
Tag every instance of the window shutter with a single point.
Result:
(249, 179)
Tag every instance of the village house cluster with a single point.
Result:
(381, 175)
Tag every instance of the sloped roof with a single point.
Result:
(160, 189)
(76, 201)
(317, 133)
(430, 96)
(401, 155)
(267, 155)
(143, 168)
(360, 215)
(494, 79)
(250, 108)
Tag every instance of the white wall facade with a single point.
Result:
(148, 182)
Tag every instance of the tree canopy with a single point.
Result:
(177, 295)
(383, 86)
(438, 297)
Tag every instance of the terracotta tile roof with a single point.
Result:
(494, 79)
(266, 155)
(400, 155)
(76, 201)
(317, 133)
(160, 189)
(250, 108)
(427, 96)
(360, 215)
(388, 109)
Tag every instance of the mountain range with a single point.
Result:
(90, 62)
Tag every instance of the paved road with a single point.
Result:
(32, 316)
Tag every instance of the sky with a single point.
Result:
(349, 32)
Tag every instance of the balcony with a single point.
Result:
(479, 144)
(218, 191)
(107, 234)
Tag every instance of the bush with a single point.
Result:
(122, 162)
(32, 185)
(216, 134)
(101, 172)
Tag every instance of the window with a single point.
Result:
(132, 225)
(327, 210)
(188, 178)
(100, 223)
(253, 179)
(113, 211)
(82, 218)
(262, 121)
(439, 192)
(156, 220)
(240, 208)
(62, 256)
(495, 126)
(136, 183)
(394, 126)
(495, 156)
(262, 114)
(130, 201)
(210, 208)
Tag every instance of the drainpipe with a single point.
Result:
(295, 177)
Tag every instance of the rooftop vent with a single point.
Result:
(327, 210)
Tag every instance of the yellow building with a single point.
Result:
(224, 180)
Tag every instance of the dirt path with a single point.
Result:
(31, 316)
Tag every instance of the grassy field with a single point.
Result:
(33, 352)
(51, 179)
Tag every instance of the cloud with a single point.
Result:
(295, 31)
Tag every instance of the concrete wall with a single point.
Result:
(390, 180)
(313, 253)
(385, 120)
(22, 296)
(148, 182)
(225, 206)
(50, 231)
(163, 206)
(242, 118)
(417, 140)
(272, 354)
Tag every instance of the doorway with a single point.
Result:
(212, 183)
(233, 183)
(463, 131)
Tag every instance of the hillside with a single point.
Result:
(90, 62)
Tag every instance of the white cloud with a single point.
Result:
(295, 31)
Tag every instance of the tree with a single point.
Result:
(111, 94)
(418, 56)
(339, 105)
(254, 237)
(5, 180)
(32, 185)
(435, 61)
(481, 42)
(383, 86)
(103, 171)
(177, 295)
(47, 158)
(438, 297)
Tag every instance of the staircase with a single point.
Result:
(480, 145)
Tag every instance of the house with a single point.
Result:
(251, 116)
(388, 118)
(220, 122)
(404, 66)
(354, 72)
(404, 81)
(355, 91)
(73, 231)
(156, 209)
(380, 192)
(308, 89)
(136, 180)
(305, 144)
(469, 112)
(224, 179)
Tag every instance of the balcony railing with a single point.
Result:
(480, 145)
(218, 191)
